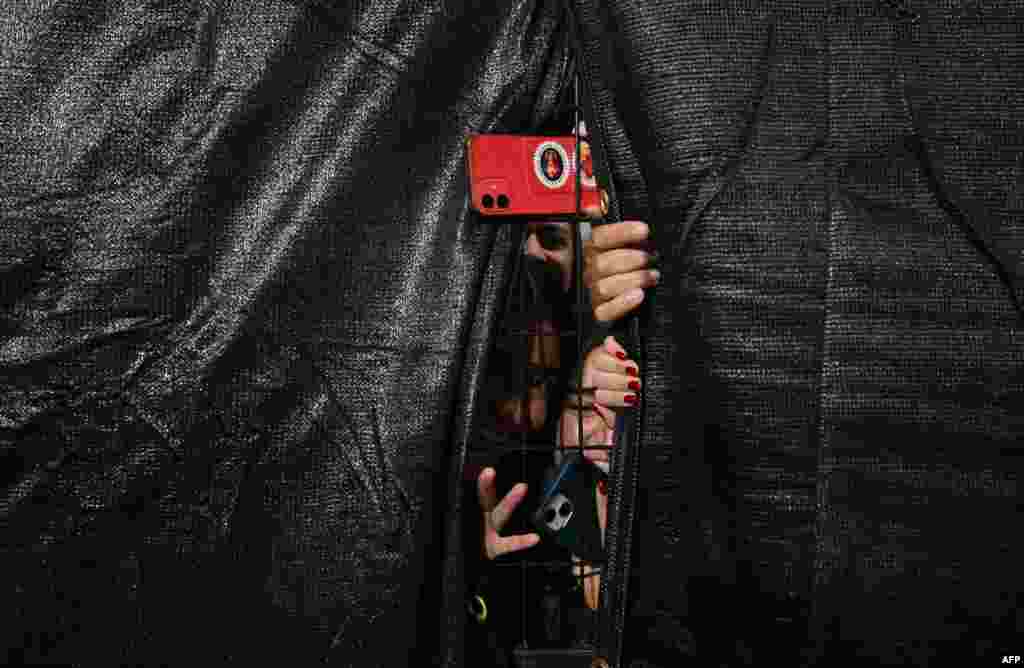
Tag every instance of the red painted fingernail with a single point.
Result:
(621, 356)
(630, 399)
(630, 371)
(634, 385)
(602, 487)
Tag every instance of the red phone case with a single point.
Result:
(514, 175)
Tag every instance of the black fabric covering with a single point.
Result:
(246, 315)
(245, 309)
(834, 380)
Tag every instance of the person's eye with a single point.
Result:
(551, 239)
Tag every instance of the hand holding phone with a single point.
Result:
(496, 515)
(567, 514)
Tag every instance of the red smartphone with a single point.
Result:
(515, 175)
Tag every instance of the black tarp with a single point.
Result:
(246, 313)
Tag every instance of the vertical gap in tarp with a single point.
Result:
(489, 299)
(577, 281)
(524, 412)
(624, 467)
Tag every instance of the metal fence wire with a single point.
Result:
(552, 614)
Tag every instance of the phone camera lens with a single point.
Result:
(565, 509)
(549, 515)
(502, 201)
(488, 201)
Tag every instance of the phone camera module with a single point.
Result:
(558, 513)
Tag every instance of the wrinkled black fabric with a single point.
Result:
(246, 318)
(244, 308)
(834, 377)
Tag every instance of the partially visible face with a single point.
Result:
(552, 242)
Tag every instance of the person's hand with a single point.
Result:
(495, 515)
(552, 241)
(615, 380)
(617, 269)
(611, 381)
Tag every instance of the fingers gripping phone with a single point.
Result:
(516, 175)
(567, 513)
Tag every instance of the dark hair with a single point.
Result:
(541, 299)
